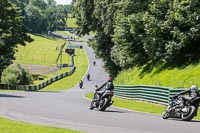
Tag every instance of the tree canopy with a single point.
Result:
(138, 32)
(12, 32)
(43, 15)
(17, 17)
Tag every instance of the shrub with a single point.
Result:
(16, 75)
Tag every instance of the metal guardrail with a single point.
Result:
(155, 94)
(39, 86)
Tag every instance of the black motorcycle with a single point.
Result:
(186, 112)
(88, 76)
(102, 100)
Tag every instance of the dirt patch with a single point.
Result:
(40, 69)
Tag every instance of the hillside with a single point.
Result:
(175, 78)
(43, 50)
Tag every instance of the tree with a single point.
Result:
(128, 34)
(97, 16)
(172, 31)
(12, 32)
(36, 21)
(139, 32)
(16, 75)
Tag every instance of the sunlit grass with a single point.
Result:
(41, 51)
(10, 126)
(175, 78)
(71, 22)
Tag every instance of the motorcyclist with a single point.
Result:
(81, 84)
(106, 86)
(88, 76)
(193, 93)
(94, 63)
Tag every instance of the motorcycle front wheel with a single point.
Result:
(165, 115)
(92, 105)
(103, 104)
(188, 116)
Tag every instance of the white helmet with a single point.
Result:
(194, 87)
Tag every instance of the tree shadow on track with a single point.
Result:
(10, 96)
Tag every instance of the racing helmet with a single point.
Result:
(194, 87)
(110, 78)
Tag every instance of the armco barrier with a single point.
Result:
(156, 94)
(39, 86)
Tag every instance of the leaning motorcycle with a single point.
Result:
(102, 100)
(186, 113)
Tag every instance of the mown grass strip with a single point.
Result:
(10, 126)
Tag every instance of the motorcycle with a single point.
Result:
(88, 76)
(186, 112)
(102, 100)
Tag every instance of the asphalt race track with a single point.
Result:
(69, 109)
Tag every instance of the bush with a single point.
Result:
(16, 75)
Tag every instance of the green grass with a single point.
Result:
(137, 105)
(81, 64)
(175, 78)
(10, 126)
(41, 51)
(71, 22)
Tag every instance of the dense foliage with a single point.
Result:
(20, 16)
(139, 32)
(12, 32)
(16, 75)
(43, 15)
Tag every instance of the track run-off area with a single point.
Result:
(69, 109)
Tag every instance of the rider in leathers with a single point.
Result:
(106, 86)
(193, 93)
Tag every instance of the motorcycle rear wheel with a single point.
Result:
(190, 115)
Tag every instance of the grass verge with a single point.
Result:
(10, 126)
(174, 78)
(137, 105)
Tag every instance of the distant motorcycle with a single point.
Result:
(102, 100)
(88, 76)
(185, 113)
